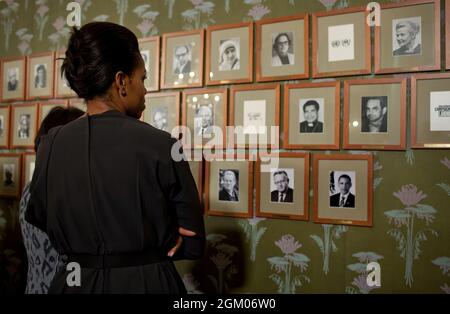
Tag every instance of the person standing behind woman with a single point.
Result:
(42, 257)
(106, 188)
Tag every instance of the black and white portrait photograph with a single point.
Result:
(407, 36)
(159, 118)
(146, 57)
(342, 189)
(182, 58)
(254, 116)
(283, 49)
(341, 42)
(23, 131)
(13, 79)
(311, 115)
(440, 111)
(204, 120)
(40, 76)
(8, 175)
(229, 54)
(374, 114)
(229, 185)
(282, 185)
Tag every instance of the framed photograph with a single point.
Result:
(149, 48)
(13, 79)
(29, 163)
(204, 113)
(182, 59)
(282, 48)
(341, 43)
(24, 125)
(162, 110)
(62, 89)
(430, 110)
(254, 113)
(343, 189)
(229, 187)
(40, 71)
(282, 190)
(408, 38)
(197, 173)
(46, 106)
(5, 114)
(311, 116)
(447, 34)
(10, 172)
(375, 114)
(229, 54)
(78, 103)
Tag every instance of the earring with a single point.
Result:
(123, 92)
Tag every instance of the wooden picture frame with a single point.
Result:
(356, 208)
(262, 105)
(162, 110)
(344, 45)
(10, 174)
(197, 172)
(28, 166)
(182, 59)
(430, 128)
(419, 22)
(5, 121)
(13, 79)
(46, 106)
(447, 34)
(286, 206)
(220, 204)
(325, 130)
(40, 74)
(291, 33)
(78, 103)
(62, 89)
(237, 41)
(24, 125)
(150, 51)
(375, 114)
(201, 105)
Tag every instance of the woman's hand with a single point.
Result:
(182, 232)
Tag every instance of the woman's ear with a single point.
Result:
(120, 83)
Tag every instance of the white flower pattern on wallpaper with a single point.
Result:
(327, 245)
(41, 16)
(199, 16)
(121, 8)
(445, 186)
(257, 11)
(84, 4)
(25, 38)
(147, 26)
(8, 18)
(377, 166)
(444, 264)
(410, 241)
(253, 234)
(360, 281)
(170, 4)
(59, 38)
(285, 264)
(334, 4)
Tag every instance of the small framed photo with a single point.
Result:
(62, 89)
(149, 48)
(205, 115)
(182, 60)
(13, 79)
(229, 54)
(10, 171)
(46, 106)
(447, 34)
(254, 113)
(5, 113)
(229, 187)
(162, 110)
(408, 37)
(24, 125)
(282, 48)
(197, 172)
(311, 115)
(341, 43)
(40, 71)
(343, 189)
(29, 163)
(430, 110)
(375, 114)
(282, 189)
(78, 103)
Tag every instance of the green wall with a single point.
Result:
(241, 252)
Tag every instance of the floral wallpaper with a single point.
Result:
(411, 212)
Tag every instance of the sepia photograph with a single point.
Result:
(40, 76)
(283, 49)
(204, 120)
(182, 58)
(282, 185)
(229, 54)
(406, 36)
(311, 115)
(374, 114)
(229, 185)
(342, 189)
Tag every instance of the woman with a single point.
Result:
(229, 56)
(106, 188)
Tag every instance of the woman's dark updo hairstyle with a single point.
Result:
(95, 53)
